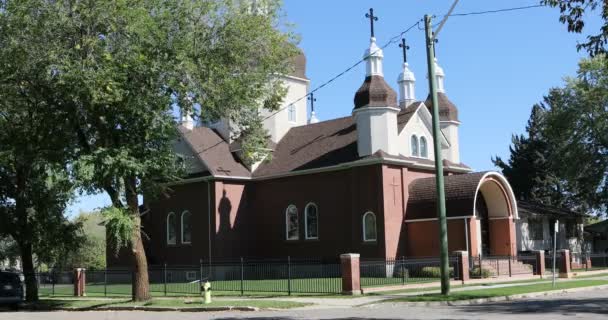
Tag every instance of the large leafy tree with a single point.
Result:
(123, 66)
(35, 186)
(574, 13)
(563, 159)
(578, 130)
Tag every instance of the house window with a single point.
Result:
(291, 221)
(424, 152)
(535, 227)
(311, 221)
(171, 229)
(571, 229)
(291, 113)
(414, 145)
(369, 227)
(186, 227)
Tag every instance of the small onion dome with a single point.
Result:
(447, 110)
(406, 74)
(375, 92)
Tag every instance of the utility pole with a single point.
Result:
(443, 227)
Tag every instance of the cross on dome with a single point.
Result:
(371, 18)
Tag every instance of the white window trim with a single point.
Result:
(297, 237)
(306, 221)
(174, 242)
(295, 113)
(414, 137)
(365, 227)
(182, 227)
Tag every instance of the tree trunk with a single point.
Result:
(27, 261)
(141, 282)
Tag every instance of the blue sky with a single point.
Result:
(497, 65)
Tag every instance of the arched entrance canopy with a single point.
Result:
(461, 193)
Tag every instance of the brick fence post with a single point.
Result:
(587, 262)
(540, 263)
(351, 278)
(463, 265)
(79, 282)
(564, 264)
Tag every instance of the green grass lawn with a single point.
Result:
(172, 303)
(500, 292)
(315, 286)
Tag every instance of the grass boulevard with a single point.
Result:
(269, 300)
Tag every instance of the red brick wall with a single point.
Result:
(422, 238)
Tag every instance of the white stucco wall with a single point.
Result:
(421, 128)
(450, 130)
(279, 124)
(193, 165)
(377, 130)
(524, 243)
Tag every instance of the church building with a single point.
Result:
(363, 184)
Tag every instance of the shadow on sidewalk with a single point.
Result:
(558, 305)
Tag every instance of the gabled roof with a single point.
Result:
(329, 143)
(214, 152)
(532, 208)
(601, 226)
(406, 115)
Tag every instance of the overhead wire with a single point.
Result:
(393, 40)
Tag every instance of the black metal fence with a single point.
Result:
(232, 277)
(402, 271)
(496, 266)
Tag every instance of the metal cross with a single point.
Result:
(312, 100)
(395, 185)
(371, 18)
(405, 47)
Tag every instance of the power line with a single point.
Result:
(396, 38)
(496, 11)
(390, 41)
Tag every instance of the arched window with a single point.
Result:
(369, 227)
(186, 227)
(311, 221)
(171, 228)
(414, 145)
(424, 151)
(291, 223)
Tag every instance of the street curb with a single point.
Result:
(143, 308)
(493, 299)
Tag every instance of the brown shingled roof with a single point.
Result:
(214, 152)
(299, 65)
(375, 92)
(328, 143)
(447, 110)
(459, 196)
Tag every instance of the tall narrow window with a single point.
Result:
(424, 151)
(291, 222)
(291, 113)
(414, 145)
(171, 228)
(311, 221)
(369, 227)
(186, 227)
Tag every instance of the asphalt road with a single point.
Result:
(581, 305)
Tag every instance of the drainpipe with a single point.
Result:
(209, 221)
(466, 234)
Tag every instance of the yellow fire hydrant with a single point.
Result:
(207, 292)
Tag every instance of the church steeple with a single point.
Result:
(440, 77)
(375, 108)
(406, 80)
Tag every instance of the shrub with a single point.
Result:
(432, 272)
(485, 273)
